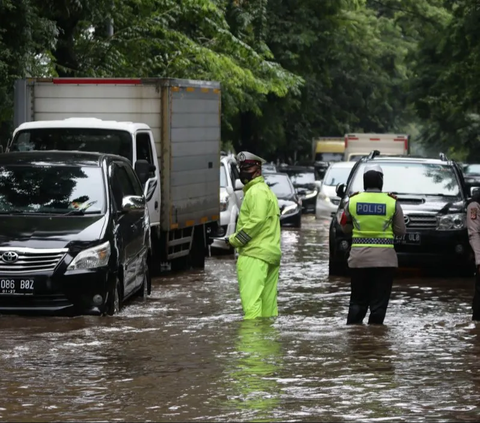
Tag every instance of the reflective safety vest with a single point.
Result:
(372, 215)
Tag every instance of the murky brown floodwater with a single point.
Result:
(185, 354)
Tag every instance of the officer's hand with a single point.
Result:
(227, 241)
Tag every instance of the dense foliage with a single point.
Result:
(291, 70)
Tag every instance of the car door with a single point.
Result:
(128, 226)
(235, 174)
(142, 231)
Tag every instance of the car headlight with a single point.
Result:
(324, 197)
(92, 257)
(451, 222)
(223, 202)
(293, 208)
(310, 194)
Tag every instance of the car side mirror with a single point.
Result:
(132, 202)
(143, 170)
(238, 185)
(340, 190)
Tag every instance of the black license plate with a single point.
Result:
(410, 238)
(16, 286)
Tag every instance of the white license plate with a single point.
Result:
(409, 238)
(16, 286)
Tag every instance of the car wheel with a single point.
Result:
(114, 302)
(335, 267)
(146, 288)
(298, 223)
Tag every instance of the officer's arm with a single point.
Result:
(398, 223)
(257, 216)
(346, 220)
(473, 228)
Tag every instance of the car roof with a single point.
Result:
(405, 159)
(79, 158)
(88, 122)
(298, 168)
(346, 165)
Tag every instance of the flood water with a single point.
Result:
(185, 354)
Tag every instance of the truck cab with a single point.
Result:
(134, 141)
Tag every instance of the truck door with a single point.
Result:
(238, 192)
(144, 150)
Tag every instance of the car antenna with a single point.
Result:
(373, 154)
(443, 157)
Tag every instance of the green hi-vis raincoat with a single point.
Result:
(258, 242)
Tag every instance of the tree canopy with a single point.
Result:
(291, 70)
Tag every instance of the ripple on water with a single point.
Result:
(185, 353)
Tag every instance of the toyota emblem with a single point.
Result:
(10, 257)
(406, 219)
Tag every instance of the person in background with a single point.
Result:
(473, 228)
(257, 239)
(374, 219)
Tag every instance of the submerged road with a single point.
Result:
(185, 354)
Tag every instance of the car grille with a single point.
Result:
(29, 260)
(420, 221)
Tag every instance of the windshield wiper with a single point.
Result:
(15, 211)
(79, 212)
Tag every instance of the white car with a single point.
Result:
(231, 197)
(327, 200)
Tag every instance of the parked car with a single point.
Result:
(303, 179)
(288, 200)
(231, 197)
(472, 175)
(328, 200)
(74, 232)
(269, 168)
(433, 195)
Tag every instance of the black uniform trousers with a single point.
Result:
(370, 287)
(476, 298)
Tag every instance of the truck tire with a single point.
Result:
(156, 257)
(199, 248)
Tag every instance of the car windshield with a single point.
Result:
(413, 178)
(299, 177)
(280, 185)
(329, 157)
(472, 169)
(336, 175)
(223, 176)
(71, 139)
(45, 188)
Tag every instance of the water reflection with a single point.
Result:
(186, 354)
(253, 388)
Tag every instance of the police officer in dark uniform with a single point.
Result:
(473, 228)
(374, 219)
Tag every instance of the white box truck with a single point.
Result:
(173, 124)
(359, 145)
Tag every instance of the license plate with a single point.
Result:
(410, 238)
(16, 286)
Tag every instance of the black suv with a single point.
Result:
(433, 196)
(74, 232)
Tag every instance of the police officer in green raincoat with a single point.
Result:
(257, 239)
